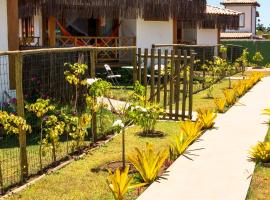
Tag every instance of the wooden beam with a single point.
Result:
(13, 36)
(51, 31)
(174, 31)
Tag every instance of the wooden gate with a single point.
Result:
(168, 78)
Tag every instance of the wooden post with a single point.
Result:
(145, 68)
(20, 112)
(134, 66)
(94, 114)
(51, 31)
(171, 84)
(184, 86)
(177, 84)
(152, 78)
(192, 58)
(165, 80)
(139, 65)
(159, 76)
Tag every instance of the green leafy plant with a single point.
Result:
(258, 58)
(206, 118)
(191, 129)
(145, 117)
(148, 162)
(221, 104)
(119, 183)
(74, 76)
(261, 152)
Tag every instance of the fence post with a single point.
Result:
(184, 86)
(134, 63)
(94, 114)
(152, 78)
(191, 71)
(20, 112)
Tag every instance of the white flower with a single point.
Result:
(144, 110)
(90, 81)
(118, 123)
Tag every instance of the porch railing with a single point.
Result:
(29, 41)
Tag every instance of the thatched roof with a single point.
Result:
(221, 18)
(184, 10)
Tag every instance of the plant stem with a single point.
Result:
(123, 149)
(40, 146)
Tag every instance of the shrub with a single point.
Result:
(119, 183)
(258, 58)
(230, 96)
(221, 104)
(145, 117)
(261, 152)
(206, 118)
(240, 89)
(148, 162)
(191, 129)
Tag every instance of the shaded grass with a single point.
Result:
(260, 184)
(76, 181)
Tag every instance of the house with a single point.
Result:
(247, 20)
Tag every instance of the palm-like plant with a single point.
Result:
(221, 104)
(148, 162)
(230, 96)
(119, 183)
(191, 129)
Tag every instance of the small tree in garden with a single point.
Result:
(120, 128)
(258, 58)
(53, 129)
(40, 108)
(97, 88)
(74, 76)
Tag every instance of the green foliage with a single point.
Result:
(148, 162)
(206, 118)
(244, 58)
(221, 104)
(119, 183)
(145, 117)
(40, 108)
(261, 152)
(99, 88)
(13, 124)
(139, 93)
(223, 49)
(191, 129)
(258, 58)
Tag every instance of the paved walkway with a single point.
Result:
(221, 170)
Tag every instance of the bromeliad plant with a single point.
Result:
(261, 152)
(230, 96)
(221, 104)
(148, 162)
(74, 76)
(120, 182)
(206, 118)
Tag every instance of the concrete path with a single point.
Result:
(221, 171)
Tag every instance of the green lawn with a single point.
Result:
(77, 181)
(260, 184)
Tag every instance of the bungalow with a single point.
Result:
(247, 20)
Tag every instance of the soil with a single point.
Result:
(113, 166)
(155, 134)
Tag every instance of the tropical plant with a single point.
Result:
(258, 58)
(267, 112)
(261, 152)
(74, 76)
(145, 117)
(206, 118)
(148, 162)
(240, 88)
(119, 183)
(230, 96)
(53, 129)
(191, 129)
(221, 104)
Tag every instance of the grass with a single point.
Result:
(77, 181)
(260, 184)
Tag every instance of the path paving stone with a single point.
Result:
(221, 171)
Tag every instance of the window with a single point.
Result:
(242, 20)
(28, 27)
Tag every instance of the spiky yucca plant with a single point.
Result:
(230, 96)
(148, 162)
(119, 183)
(191, 129)
(206, 118)
(240, 89)
(261, 152)
(221, 104)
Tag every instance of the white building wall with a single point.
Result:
(249, 22)
(154, 32)
(4, 26)
(207, 36)
(38, 27)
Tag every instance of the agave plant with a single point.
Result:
(240, 89)
(191, 129)
(230, 96)
(221, 104)
(119, 183)
(206, 118)
(261, 152)
(148, 162)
